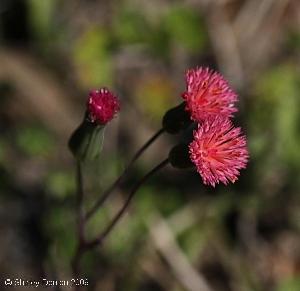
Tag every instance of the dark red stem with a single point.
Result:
(107, 193)
(109, 228)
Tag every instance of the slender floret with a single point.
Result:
(218, 151)
(102, 106)
(208, 94)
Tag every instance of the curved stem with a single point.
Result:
(119, 215)
(106, 193)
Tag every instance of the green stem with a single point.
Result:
(80, 195)
(80, 220)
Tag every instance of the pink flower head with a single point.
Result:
(218, 150)
(102, 106)
(208, 94)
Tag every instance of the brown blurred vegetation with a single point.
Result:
(178, 235)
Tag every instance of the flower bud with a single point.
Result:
(102, 106)
(86, 141)
(179, 157)
(176, 119)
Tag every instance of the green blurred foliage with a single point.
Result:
(59, 222)
(133, 27)
(2, 150)
(292, 284)
(60, 184)
(185, 28)
(130, 26)
(277, 116)
(154, 95)
(92, 58)
(179, 26)
(42, 18)
(35, 141)
(293, 40)
(150, 198)
(47, 28)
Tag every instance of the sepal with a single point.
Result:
(179, 157)
(87, 141)
(176, 119)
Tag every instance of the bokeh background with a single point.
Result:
(178, 234)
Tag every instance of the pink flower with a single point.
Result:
(208, 94)
(219, 151)
(102, 106)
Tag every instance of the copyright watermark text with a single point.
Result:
(14, 282)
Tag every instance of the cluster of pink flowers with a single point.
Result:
(219, 149)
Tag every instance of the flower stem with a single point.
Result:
(80, 220)
(117, 182)
(80, 196)
(108, 229)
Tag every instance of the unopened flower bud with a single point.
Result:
(176, 119)
(86, 141)
(179, 157)
(102, 106)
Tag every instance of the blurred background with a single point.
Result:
(178, 234)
